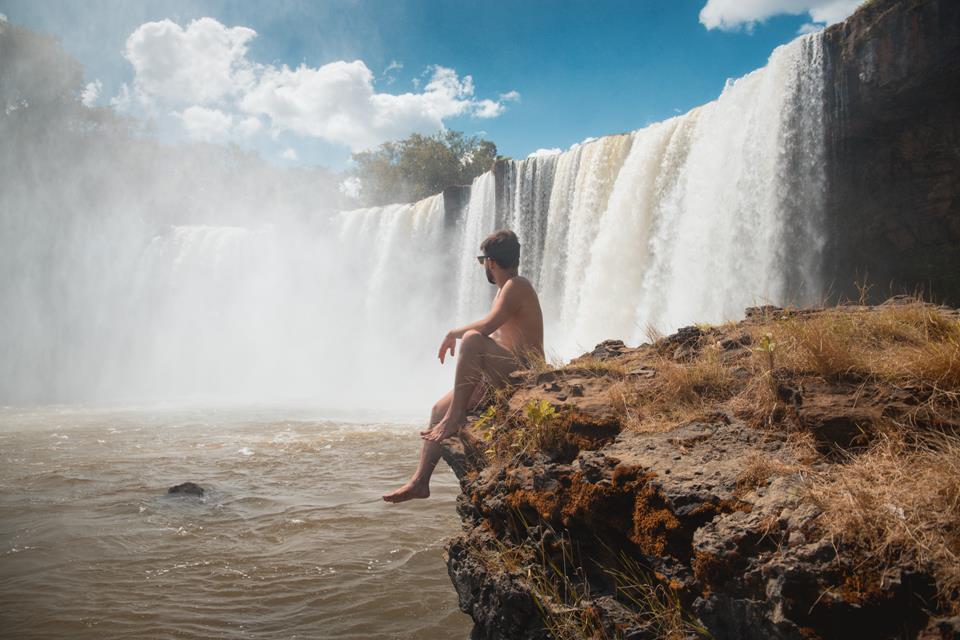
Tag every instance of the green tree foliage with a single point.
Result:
(420, 166)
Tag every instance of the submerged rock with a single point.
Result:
(186, 489)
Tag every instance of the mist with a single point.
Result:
(136, 271)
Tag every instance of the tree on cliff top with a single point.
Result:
(420, 166)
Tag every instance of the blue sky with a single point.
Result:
(544, 74)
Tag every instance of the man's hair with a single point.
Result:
(503, 247)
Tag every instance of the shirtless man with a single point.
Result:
(491, 348)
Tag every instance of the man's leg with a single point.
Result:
(419, 484)
(480, 356)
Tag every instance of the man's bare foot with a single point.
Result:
(443, 429)
(409, 491)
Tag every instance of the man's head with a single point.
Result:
(503, 250)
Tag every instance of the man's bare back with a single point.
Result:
(522, 331)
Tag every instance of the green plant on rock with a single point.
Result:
(767, 346)
(539, 413)
(537, 427)
(485, 422)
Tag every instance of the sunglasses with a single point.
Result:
(480, 259)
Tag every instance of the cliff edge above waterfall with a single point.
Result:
(792, 475)
(892, 119)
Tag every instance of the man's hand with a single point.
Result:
(449, 343)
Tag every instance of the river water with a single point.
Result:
(291, 540)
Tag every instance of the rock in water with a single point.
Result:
(186, 489)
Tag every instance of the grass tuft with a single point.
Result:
(900, 499)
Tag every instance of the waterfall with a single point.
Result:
(687, 220)
(473, 291)
(256, 293)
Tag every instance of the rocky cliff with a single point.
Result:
(893, 146)
(793, 475)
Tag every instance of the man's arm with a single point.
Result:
(504, 306)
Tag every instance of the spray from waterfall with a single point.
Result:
(197, 272)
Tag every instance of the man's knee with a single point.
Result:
(471, 340)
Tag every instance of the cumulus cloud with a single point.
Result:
(289, 154)
(203, 63)
(337, 102)
(489, 109)
(201, 74)
(208, 125)
(90, 93)
(737, 14)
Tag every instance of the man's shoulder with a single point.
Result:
(520, 289)
(519, 284)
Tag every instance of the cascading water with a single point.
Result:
(687, 220)
(473, 292)
(256, 294)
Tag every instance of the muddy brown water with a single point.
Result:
(291, 539)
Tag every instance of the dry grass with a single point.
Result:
(656, 604)
(590, 365)
(677, 392)
(760, 468)
(900, 500)
(542, 363)
(555, 577)
(911, 343)
(703, 380)
(564, 600)
(907, 346)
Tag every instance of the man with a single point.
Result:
(490, 349)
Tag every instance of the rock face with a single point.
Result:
(893, 146)
(742, 557)
(702, 526)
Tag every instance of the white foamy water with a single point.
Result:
(687, 220)
(291, 539)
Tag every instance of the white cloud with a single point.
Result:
(201, 74)
(545, 152)
(122, 100)
(248, 126)
(809, 27)
(3, 17)
(202, 64)
(488, 109)
(337, 102)
(289, 154)
(736, 14)
(90, 93)
(387, 72)
(209, 125)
